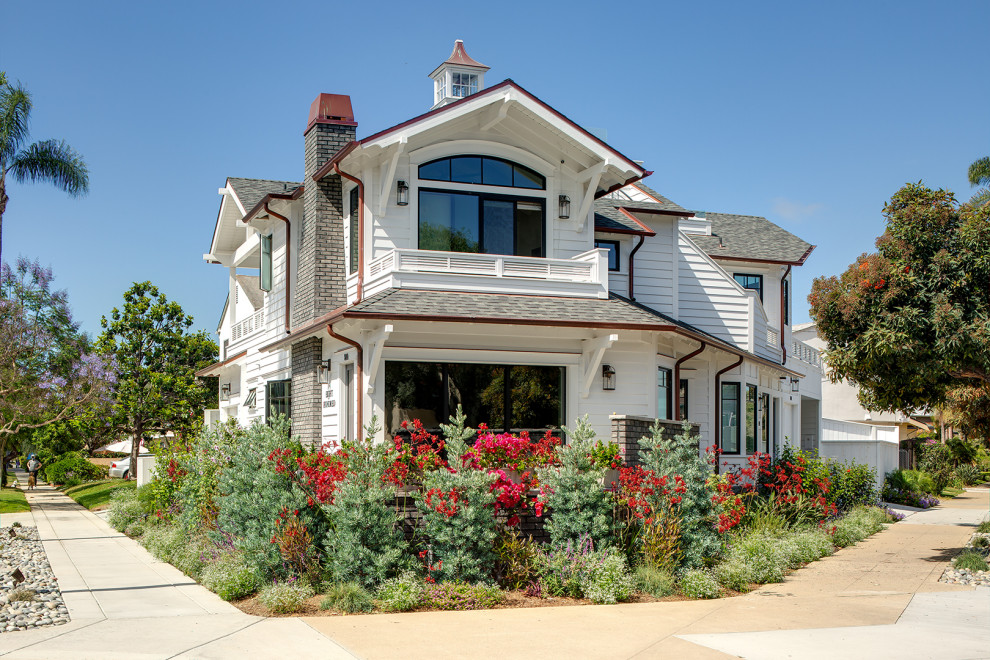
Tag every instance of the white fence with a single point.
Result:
(873, 445)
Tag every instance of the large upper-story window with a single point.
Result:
(754, 282)
(475, 221)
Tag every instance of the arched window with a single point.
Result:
(471, 221)
(483, 170)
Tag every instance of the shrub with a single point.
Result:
(699, 583)
(573, 492)
(811, 545)
(734, 574)
(164, 541)
(983, 527)
(230, 577)
(195, 475)
(72, 466)
(910, 480)
(857, 525)
(852, 484)
(654, 581)
(125, 509)
(516, 555)
(134, 530)
(253, 494)
(285, 597)
(458, 525)
(22, 595)
(400, 594)
(462, 596)
(937, 461)
(607, 581)
(674, 459)
(347, 597)
(970, 560)
(367, 544)
(969, 475)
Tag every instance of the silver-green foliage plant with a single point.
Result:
(579, 507)
(608, 581)
(285, 597)
(348, 597)
(699, 583)
(400, 594)
(125, 509)
(230, 577)
(678, 455)
(198, 493)
(365, 543)
(458, 524)
(860, 522)
(252, 494)
(578, 570)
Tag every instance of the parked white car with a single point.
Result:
(121, 469)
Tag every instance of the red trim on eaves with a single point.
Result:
(629, 215)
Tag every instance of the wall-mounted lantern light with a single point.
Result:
(795, 385)
(608, 377)
(402, 193)
(225, 392)
(564, 207)
(324, 374)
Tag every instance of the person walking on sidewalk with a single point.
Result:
(33, 466)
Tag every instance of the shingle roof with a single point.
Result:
(251, 191)
(751, 237)
(669, 205)
(608, 216)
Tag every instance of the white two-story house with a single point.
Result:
(494, 254)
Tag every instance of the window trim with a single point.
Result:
(542, 188)
(754, 391)
(618, 253)
(683, 389)
(353, 201)
(759, 292)
(670, 391)
(481, 197)
(265, 265)
(764, 436)
(251, 400)
(738, 411)
(269, 398)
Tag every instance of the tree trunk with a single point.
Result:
(3, 207)
(135, 446)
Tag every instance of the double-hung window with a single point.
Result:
(278, 398)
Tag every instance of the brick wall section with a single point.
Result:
(627, 430)
(320, 284)
(307, 407)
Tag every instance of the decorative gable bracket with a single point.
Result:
(376, 343)
(592, 353)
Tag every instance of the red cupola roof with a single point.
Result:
(459, 57)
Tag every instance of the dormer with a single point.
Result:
(458, 76)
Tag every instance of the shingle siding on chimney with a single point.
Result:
(321, 276)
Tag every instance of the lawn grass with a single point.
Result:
(950, 492)
(96, 494)
(12, 500)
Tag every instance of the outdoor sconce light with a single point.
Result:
(225, 392)
(402, 193)
(564, 204)
(795, 385)
(324, 376)
(608, 377)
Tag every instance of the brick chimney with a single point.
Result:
(320, 285)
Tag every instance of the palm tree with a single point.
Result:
(49, 160)
(979, 175)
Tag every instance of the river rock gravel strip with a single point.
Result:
(36, 602)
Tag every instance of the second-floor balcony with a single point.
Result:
(582, 276)
(807, 354)
(247, 327)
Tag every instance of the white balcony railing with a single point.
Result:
(585, 275)
(805, 353)
(248, 326)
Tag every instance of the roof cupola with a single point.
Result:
(457, 76)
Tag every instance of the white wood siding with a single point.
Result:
(708, 298)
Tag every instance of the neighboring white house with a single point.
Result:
(492, 253)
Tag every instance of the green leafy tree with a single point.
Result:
(46, 374)
(52, 161)
(911, 321)
(156, 358)
(979, 175)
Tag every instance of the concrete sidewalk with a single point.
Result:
(124, 603)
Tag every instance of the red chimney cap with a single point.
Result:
(331, 109)
(459, 57)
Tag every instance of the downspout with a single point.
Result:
(783, 310)
(677, 378)
(358, 374)
(360, 272)
(288, 262)
(718, 405)
(632, 256)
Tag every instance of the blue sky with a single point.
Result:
(811, 114)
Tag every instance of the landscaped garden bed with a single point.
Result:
(476, 519)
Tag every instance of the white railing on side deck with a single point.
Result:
(805, 353)
(582, 268)
(248, 326)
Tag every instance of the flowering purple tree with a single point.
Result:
(46, 373)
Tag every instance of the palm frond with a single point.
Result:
(981, 197)
(15, 111)
(55, 162)
(979, 172)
